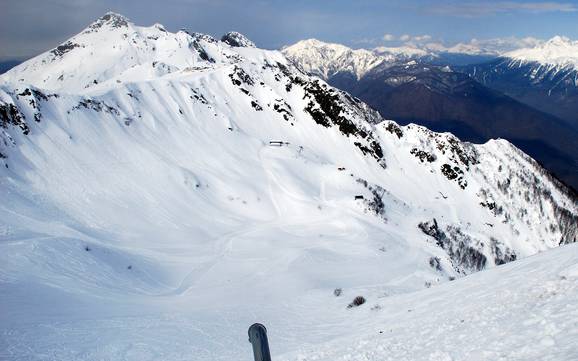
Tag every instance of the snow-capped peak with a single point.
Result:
(111, 20)
(559, 51)
(114, 50)
(236, 39)
(327, 59)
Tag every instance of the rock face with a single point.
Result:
(236, 39)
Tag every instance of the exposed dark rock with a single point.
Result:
(454, 173)
(435, 263)
(111, 19)
(64, 48)
(202, 52)
(199, 97)
(357, 301)
(374, 204)
(236, 39)
(283, 108)
(423, 155)
(97, 105)
(327, 109)
(464, 251)
(394, 129)
(501, 256)
(239, 77)
(256, 105)
(11, 115)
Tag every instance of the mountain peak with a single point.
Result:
(237, 39)
(559, 40)
(311, 44)
(111, 20)
(112, 50)
(559, 51)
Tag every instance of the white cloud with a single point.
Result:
(388, 37)
(494, 46)
(421, 38)
(405, 37)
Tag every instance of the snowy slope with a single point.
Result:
(145, 215)
(521, 311)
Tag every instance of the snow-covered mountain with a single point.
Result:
(414, 86)
(330, 61)
(177, 183)
(559, 52)
(327, 60)
(554, 61)
(544, 76)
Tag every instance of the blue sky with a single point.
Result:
(28, 27)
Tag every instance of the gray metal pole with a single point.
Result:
(258, 337)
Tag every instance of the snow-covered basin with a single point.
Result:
(525, 310)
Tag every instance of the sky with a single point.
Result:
(29, 27)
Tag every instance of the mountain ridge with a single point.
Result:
(471, 101)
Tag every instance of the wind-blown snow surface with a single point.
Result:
(520, 311)
(145, 214)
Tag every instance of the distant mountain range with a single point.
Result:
(545, 77)
(528, 96)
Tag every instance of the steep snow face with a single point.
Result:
(559, 52)
(232, 188)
